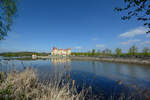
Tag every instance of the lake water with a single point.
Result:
(101, 76)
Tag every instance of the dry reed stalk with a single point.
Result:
(25, 86)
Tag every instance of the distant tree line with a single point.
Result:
(132, 52)
(21, 54)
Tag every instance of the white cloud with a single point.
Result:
(130, 42)
(134, 32)
(100, 46)
(78, 47)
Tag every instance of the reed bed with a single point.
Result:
(25, 86)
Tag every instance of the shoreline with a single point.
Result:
(139, 61)
(117, 60)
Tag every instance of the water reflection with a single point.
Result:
(61, 65)
(101, 75)
(60, 61)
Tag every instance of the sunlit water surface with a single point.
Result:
(101, 76)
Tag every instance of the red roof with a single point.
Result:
(54, 48)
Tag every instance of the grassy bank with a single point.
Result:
(114, 59)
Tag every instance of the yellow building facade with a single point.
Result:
(62, 52)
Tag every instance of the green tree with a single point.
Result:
(8, 8)
(98, 52)
(89, 53)
(139, 9)
(107, 52)
(118, 51)
(93, 52)
(133, 50)
(146, 51)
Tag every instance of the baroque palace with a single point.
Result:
(62, 52)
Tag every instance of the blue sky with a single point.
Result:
(78, 24)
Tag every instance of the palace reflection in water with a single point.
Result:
(61, 65)
(60, 61)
